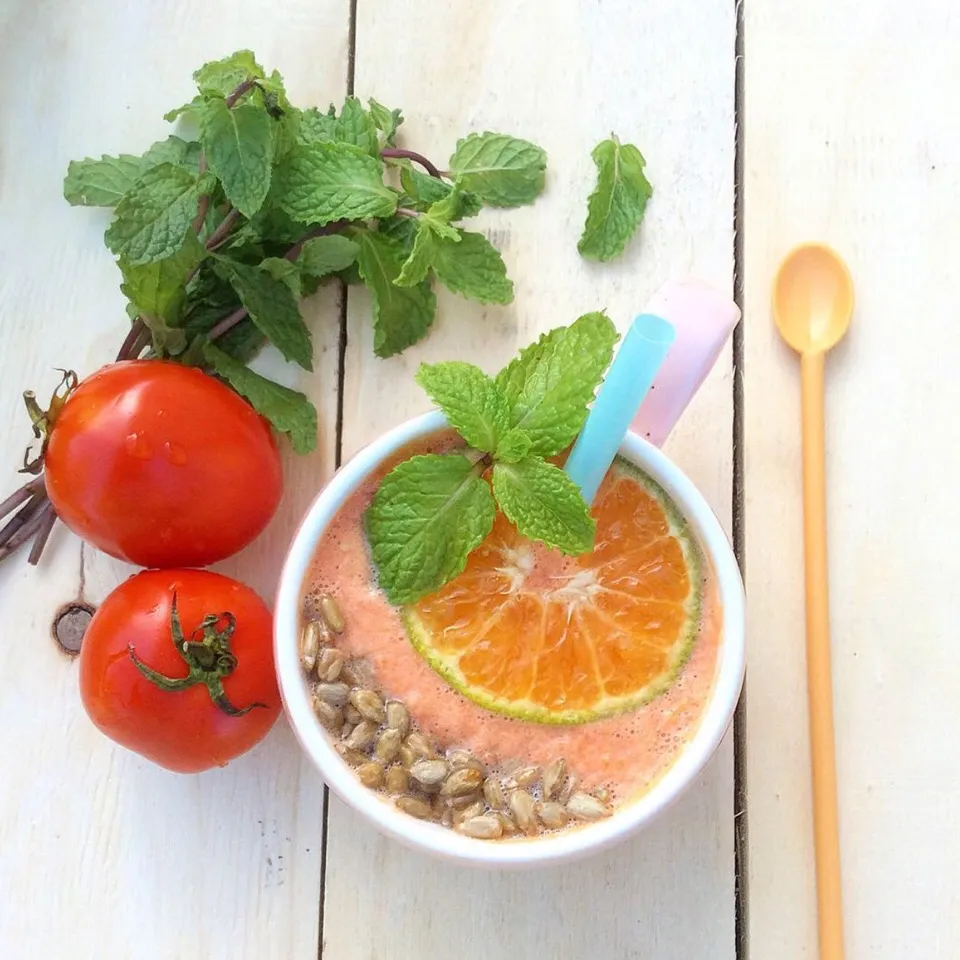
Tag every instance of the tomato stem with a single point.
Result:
(208, 658)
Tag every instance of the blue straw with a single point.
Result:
(627, 382)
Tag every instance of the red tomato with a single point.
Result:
(187, 711)
(162, 466)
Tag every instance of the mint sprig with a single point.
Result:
(430, 512)
(219, 237)
(617, 204)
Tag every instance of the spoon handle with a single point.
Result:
(819, 687)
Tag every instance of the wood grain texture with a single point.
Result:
(660, 75)
(102, 854)
(846, 142)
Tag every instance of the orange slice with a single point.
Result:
(527, 632)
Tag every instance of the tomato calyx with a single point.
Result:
(42, 420)
(207, 655)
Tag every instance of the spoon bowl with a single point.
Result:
(812, 298)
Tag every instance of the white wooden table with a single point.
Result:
(844, 126)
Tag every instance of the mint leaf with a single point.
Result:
(322, 256)
(544, 504)
(289, 411)
(100, 183)
(189, 111)
(456, 205)
(469, 399)
(186, 153)
(153, 217)
(503, 171)
(386, 120)
(356, 126)
(221, 77)
(272, 307)
(321, 182)
(424, 189)
(473, 268)
(617, 204)
(550, 384)
(417, 265)
(285, 271)
(238, 145)
(514, 445)
(426, 516)
(401, 315)
(157, 289)
(103, 182)
(316, 127)
(466, 263)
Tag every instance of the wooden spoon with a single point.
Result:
(812, 306)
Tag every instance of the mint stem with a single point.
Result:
(204, 200)
(220, 234)
(227, 323)
(239, 91)
(400, 154)
(406, 212)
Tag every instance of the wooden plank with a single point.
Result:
(563, 80)
(102, 854)
(840, 147)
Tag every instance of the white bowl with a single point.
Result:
(554, 848)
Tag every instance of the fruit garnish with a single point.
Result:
(543, 637)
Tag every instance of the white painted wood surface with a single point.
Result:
(103, 855)
(659, 74)
(850, 140)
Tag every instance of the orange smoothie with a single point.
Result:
(617, 758)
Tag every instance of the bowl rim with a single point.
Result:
(441, 841)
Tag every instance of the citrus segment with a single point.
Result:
(528, 632)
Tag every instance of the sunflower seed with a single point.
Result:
(416, 808)
(336, 694)
(509, 827)
(397, 717)
(369, 704)
(388, 746)
(603, 795)
(569, 787)
(346, 729)
(420, 745)
(482, 828)
(351, 714)
(429, 773)
(493, 793)
(522, 808)
(461, 783)
(552, 815)
(370, 774)
(351, 756)
(524, 777)
(475, 809)
(353, 673)
(309, 645)
(553, 774)
(407, 757)
(460, 803)
(584, 807)
(329, 715)
(329, 664)
(397, 780)
(332, 613)
(459, 759)
(362, 735)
